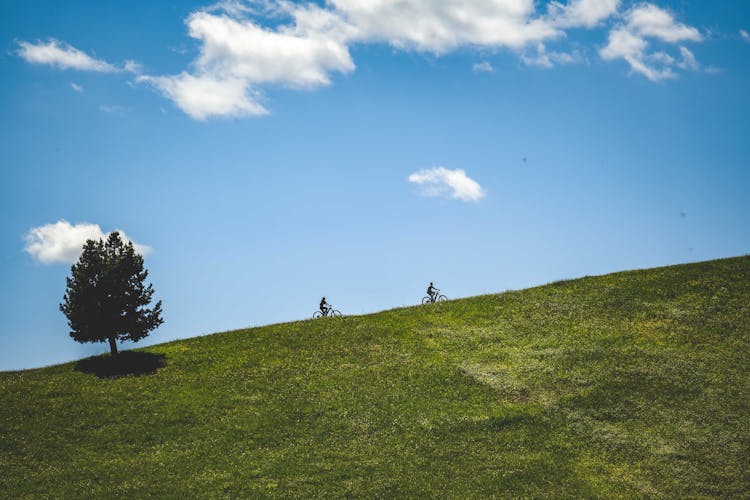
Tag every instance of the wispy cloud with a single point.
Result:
(76, 87)
(648, 20)
(544, 59)
(440, 181)
(64, 56)
(62, 242)
(629, 41)
(745, 35)
(581, 13)
(482, 67)
(687, 60)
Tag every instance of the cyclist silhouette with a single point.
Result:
(432, 291)
(324, 306)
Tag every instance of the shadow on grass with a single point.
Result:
(126, 363)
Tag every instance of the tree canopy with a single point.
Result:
(107, 298)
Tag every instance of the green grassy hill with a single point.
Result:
(628, 385)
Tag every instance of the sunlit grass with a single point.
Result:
(633, 384)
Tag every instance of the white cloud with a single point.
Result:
(652, 21)
(76, 87)
(62, 241)
(247, 45)
(745, 35)
(544, 59)
(629, 42)
(63, 56)
(301, 55)
(482, 67)
(440, 181)
(238, 55)
(204, 96)
(624, 44)
(439, 26)
(582, 13)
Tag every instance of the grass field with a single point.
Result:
(634, 384)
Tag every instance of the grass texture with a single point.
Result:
(630, 385)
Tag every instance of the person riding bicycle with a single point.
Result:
(324, 306)
(432, 291)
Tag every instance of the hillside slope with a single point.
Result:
(632, 384)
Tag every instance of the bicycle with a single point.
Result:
(431, 299)
(330, 313)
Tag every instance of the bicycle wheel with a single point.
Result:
(335, 313)
(442, 298)
(426, 300)
(317, 314)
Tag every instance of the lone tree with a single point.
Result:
(106, 297)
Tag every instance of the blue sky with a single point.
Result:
(270, 153)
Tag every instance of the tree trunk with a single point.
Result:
(113, 346)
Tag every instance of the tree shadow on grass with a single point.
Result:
(127, 363)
